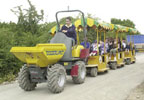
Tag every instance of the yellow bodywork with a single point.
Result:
(100, 61)
(119, 58)
(76, 50)
(130, 54)
(41, 55)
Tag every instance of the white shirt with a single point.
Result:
(124, 45)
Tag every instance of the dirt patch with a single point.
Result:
(137, 93)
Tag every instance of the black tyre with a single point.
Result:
(122, 65)
(56, 78)
(113, 65)
(81, 73)
(128, 61)
(93, 72)
(24, 79)
(134, 62)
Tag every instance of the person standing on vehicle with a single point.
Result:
(69, 29)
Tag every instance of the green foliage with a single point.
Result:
(8, 63)
(124, 22)
(28, 19)
(26, 32)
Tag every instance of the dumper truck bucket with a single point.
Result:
(41, 55)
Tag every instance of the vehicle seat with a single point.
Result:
(69, 42)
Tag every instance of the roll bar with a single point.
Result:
(68, 11)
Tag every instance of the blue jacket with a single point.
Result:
(71, 32)
(87, 44)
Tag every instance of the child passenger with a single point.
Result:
(94, 49)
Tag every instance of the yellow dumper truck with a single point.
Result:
(51, 62)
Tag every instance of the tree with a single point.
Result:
(26, 32)
(28, 19)
(125, 22)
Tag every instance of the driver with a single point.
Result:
(69, 29)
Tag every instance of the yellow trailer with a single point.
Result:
(118, 60)
(99, 63)
(130, 54)
(130, 57)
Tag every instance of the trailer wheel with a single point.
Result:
(134, 61)
(93, 72)
(81, 73)
(56, 78)
(113, 65)
(128, 61)
(24, 79)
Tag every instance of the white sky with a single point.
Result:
(104, 9)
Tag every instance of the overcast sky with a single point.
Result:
(104, 9)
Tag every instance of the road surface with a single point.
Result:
(114, 85)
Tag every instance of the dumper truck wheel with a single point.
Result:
(113, 65)
(128, 61)
(24, 79)
(81, 73)
(56, 78)
(93, 72)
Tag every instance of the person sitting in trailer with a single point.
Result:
(119, 45)
(101, 47)
(87, 43)
(93, 49)
(123, 45)
(131, 45)
(127, 47)
(69, 29)
(112, 48)
(106, 46)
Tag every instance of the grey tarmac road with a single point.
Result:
(114, 85)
